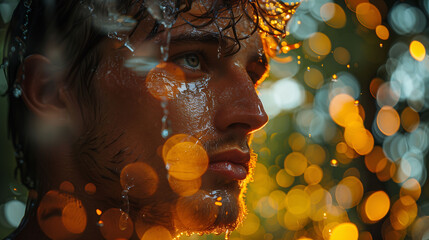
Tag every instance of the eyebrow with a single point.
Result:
(212, 37)
(199, 36)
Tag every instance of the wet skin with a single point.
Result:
(210, 98)
(213, 99)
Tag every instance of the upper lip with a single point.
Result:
(233, 155)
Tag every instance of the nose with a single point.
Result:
(239, 106)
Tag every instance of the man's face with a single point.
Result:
(193, 178)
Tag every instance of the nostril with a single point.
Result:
(247, 118)
(243, 126)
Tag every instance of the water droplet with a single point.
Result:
(165, 128)
(165, 133)
(227, 234)
(100, 223)
(165, 12)
(128, 45)
(165, 44)
(125, 209)
(219, 51)
(17, 91)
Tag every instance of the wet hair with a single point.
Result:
(45, 26)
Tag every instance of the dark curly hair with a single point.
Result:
(36, 24)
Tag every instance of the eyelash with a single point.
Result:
(199, 54)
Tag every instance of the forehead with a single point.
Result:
(230, 22)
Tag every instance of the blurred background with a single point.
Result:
(344, 155)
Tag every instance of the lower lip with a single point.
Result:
(229, 170)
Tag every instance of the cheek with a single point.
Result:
(127, 105)
(192, 112)
(116, 81)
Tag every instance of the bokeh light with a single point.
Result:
(344, 231)
(368, 15)
(417, 50)
(376, 206)
(184, 157)
(110, 228)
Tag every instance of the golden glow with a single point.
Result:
(382, 32)
(297, 202)
(340, 107)
(74, 217)
(313, 174)
(315, 154)
(333, 15)
(403, 212)
(373, 159)
(284, 179)
(313, 78)
(374, 85)
(186, 161)
(70, 220)
(412, 188)
(368, 15)
(321, 201)
(410, 119)
(179, 138)
(294, 222)
(157, 232)
(377, 205)
(90, 188)
(296, 141)
(384, 169)
(250, 225)
(417, 50)
(184, 187)
(164, 81)
(344, 231)
(139, 179)
(352, 4)
(351, 172)
(259, 136)
(276, 199)
(349, 192)
(388, 120)
(295, 163)
(320, 44)
(341, 147)
(341, 55)
(98, 212)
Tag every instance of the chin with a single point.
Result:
(211, 210)
(218, 207)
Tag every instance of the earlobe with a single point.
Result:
(41, 87)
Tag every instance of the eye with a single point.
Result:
(257, 72)
(189, 60)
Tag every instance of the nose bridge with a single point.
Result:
(240, 104)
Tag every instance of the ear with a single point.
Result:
(42, 87)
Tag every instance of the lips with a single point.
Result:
(232, 164)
